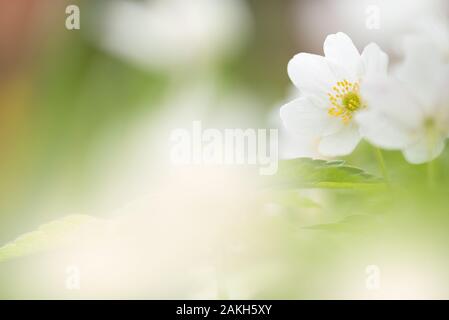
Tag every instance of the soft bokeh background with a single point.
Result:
(85, 121)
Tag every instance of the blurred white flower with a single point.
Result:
(409, 112)
(172, 33)
(330, 95)
(377, 20)
(430, 38)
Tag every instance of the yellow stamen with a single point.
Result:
(345, 100)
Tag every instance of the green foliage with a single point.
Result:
(292, 174)
(52, 235)
(357, 223)
(311, 173)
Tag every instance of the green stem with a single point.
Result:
(381, 162)
(431, 173)
(431, 165)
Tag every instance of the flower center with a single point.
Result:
(345, 99)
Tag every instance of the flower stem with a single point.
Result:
(431, 173)
(431, 165)
(381, 162)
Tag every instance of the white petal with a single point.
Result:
(340, 49)
(311, 74)
(416, 47)
(390, 98)
(421, 152)
(374, 60)
(303, 118)
(341, 143)
(440, 111)
(333, 125)
(382, 131)
(291, 146)
(420, 69)
(436, 29)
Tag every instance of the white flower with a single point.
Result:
(173, 33)
(330, 95)
(409, 112)
(290, 145)
(430, 38)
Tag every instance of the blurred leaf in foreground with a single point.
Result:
(357, 223)
(66, 231)
(311, 173)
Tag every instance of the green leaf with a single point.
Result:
(65, 231)
(310, 173)
(292, 198)
(358, 223)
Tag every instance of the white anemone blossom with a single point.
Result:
(410, 111)
(430, 37)
(173, 33)
(330, 93)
